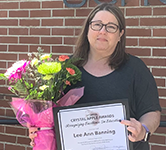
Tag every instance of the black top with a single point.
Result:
(132, 81)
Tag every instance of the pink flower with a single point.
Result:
(9, 88)
(63, 57)
(16, 70)
(71, 71)
(67, 82)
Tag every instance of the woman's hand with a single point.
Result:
(32, 135)
(137, 131)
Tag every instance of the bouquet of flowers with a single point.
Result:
(39, 83)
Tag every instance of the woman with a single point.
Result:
(109, 73)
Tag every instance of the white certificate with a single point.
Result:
(93, 128)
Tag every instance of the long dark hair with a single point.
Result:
(82, 45)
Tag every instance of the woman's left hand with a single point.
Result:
(32, 135)
(137, 131)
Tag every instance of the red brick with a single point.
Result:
(3, 31)
(152, 21)
(7, 22)
(13, 5)
(40, 13)
(39, 31)
(163, 102)
(82, 12)
(8, 40)
(18, 48)
(138, 32)
(160, 82)
(152, 42)
(157, 139)
(69, 40)
(3, 64)
(62, 31)
(62, 49)
(52, 22)
(162, 92)
(159, 32)
(132, 22)
(5, 103)
(74, 22)
(29, 5)
(154, 61)
(18, 31)
(1, 146)
(30, 40)
(63, 13)
(157, 147)
(29, 22)
(161, 130)
(2, 129)
(22, 140)
(159, 71)
(19, 13)
(159, 52)
(14, 147)
(131, 42)
(51, 40)
(17, 131)
(23, 56)
(159, 11)
(138, 11)
(52, 4)
(10, 113)
(139, 51)
(3, 14)
(2, 113)
(7, 138)
(2, 82)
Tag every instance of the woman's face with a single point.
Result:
(104, 42)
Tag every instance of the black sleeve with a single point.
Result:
(145, 91)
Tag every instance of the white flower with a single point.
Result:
(45, 56)
(34, 62)
(43, 87)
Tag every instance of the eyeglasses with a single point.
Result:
(109, 27)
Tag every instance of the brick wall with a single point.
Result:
(27, 24)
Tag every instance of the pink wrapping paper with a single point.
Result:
(38, 113)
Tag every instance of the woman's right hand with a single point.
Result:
(32, 135)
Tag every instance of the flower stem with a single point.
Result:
(23, 81)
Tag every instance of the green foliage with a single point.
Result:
(20, 88)
(2, 77)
